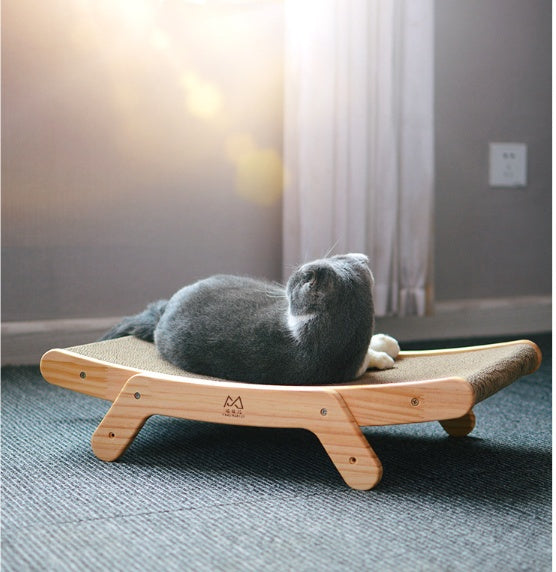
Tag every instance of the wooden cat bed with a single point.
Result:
(439, 385)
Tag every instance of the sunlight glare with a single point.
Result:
(259, 171)
(137, 14)
(159, 40)
(203, 99)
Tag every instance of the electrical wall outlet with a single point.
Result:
(508, 165)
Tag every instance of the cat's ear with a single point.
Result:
(362, 258)
(311, 278)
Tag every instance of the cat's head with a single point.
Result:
(342, 282)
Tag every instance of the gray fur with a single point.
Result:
(317, 330)
(141, 325)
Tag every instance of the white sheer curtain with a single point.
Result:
(358, 142)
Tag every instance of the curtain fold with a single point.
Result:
(358, 140)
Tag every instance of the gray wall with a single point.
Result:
(493, 83)
(131, 155)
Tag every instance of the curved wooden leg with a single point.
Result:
(355, 460)
(461, 426)
(348, 448)
(121, 424)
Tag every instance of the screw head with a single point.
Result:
(324, 411)
(137, 395)
(82, 375)
(414, 402)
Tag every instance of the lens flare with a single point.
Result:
(202, 98)
(259, 171)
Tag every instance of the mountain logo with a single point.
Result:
(233, 407)
(230, 402)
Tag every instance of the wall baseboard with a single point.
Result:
(23, 343)
(475, 318)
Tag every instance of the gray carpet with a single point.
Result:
(196, 496)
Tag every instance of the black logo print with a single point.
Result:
(233, 407)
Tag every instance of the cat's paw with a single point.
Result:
(379, 360)
(386, 344)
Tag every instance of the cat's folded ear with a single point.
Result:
(363, 258)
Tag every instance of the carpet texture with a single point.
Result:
(197, 496)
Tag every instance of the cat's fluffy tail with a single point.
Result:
(141, 325)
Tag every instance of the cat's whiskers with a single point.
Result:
(279, 292)
(275, 294)
(331, 249)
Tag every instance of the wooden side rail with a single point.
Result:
(321, 411)
(85, 374)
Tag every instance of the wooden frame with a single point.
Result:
(334, 413)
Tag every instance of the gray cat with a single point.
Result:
(317, 330)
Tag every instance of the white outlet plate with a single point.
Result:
(508, 165)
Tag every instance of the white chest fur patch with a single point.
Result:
(296, 323)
